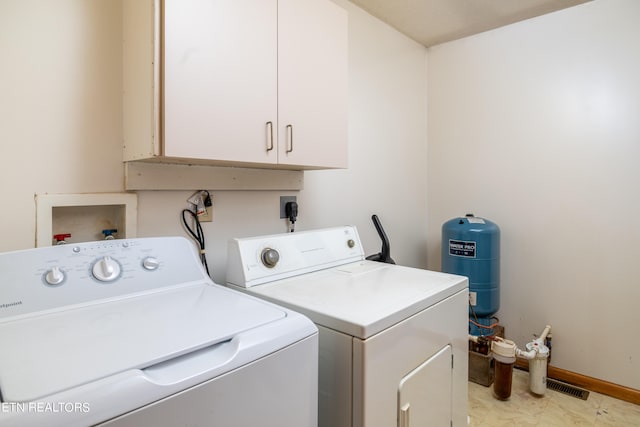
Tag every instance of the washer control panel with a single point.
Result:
(256, 260)
(48, 278)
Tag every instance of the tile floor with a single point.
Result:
(553, 409)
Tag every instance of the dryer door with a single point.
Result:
(424, 395)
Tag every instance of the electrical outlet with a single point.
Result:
(208, 216)
(283, 201)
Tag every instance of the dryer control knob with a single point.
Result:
(270, 257)
(106, 269)
(55, 276)
(150, 263)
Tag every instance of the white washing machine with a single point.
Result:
(393, 339)
(134, 333)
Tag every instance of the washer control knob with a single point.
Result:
(351, 243)
(150, 263)
(270, 257)
(106, 269)
(55, 276)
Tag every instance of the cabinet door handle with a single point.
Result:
(405, 420)
(290, 138)
(269, 136)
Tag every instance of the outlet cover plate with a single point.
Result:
(207, 216)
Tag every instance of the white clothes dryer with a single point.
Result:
(134, 333)
(393, 339)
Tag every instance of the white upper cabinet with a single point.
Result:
(312, 83)
(220, 79)
(236, 82)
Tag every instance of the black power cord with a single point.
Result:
(291, 210)
(197, 235)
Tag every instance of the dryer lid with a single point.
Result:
(362, 298)
(45, 354)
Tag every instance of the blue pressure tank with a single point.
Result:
(471, 247)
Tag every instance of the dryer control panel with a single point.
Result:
(257, 260)
(48, 278)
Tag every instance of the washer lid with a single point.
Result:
(45, 354)
(362, 298)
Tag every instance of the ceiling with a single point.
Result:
(431, 22)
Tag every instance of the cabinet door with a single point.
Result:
(424, 395)
(312, 83)
(220, 79)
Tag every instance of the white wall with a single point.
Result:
(61, 132)
(387, 144)
(535, 126)
(60, 106)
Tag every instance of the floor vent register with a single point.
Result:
(567, 389)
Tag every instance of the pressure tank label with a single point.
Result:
(472, 220)
(462, 248)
